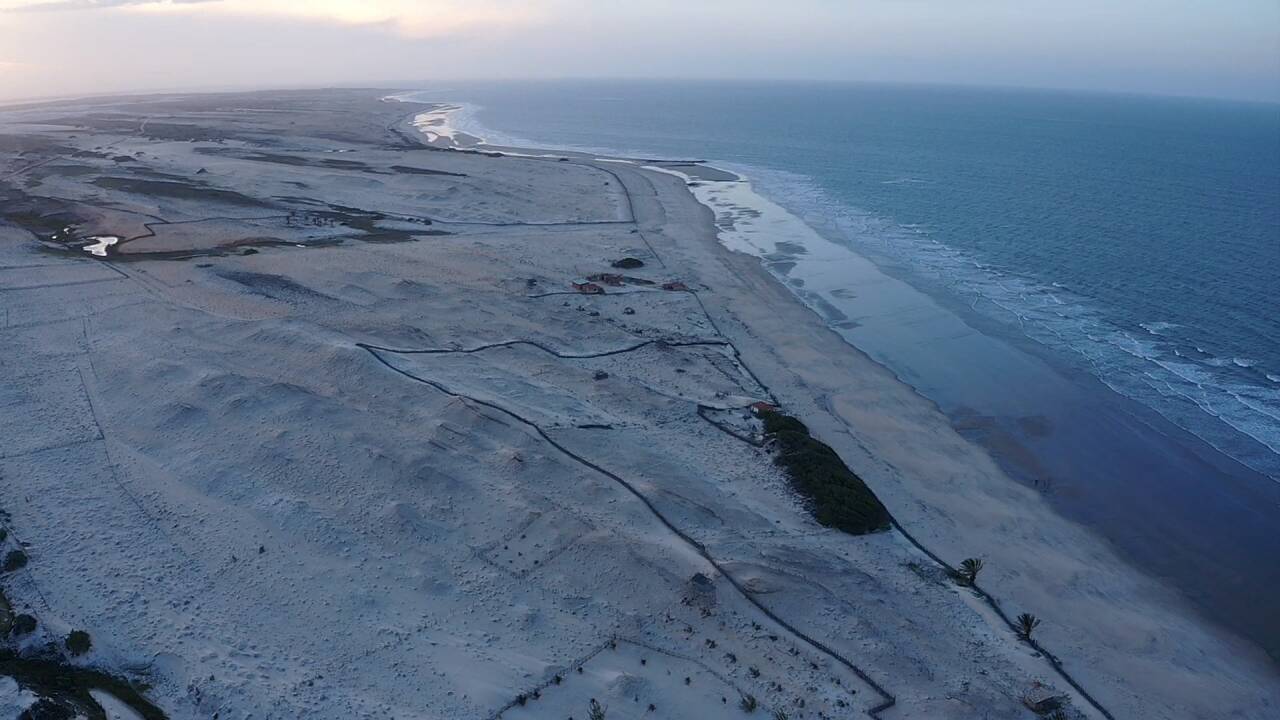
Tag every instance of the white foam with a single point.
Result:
(1158, 328)
(1064, 321)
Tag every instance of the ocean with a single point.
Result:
(1086, 284)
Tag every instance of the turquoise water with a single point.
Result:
(1112, 264)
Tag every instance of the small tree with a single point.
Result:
(969, 569)
(748, 703)
(596, 711)
(78, 642)
(1026, 624)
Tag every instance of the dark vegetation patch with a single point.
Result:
(273, 286)
(64, 686)
(407, 170)
(243, 246)
(62, 689)
(22, 624)
(836, 496)
(344, 164)
(290, 160)
(367, 222)
(131, 125)
(278, 159)
(179, 190)
(79, 642)
(14, 560)
(628, 263)
(331, 163)
(37, 216)
(64, 170)
(30, 143)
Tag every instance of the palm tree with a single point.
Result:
(969, 569)
(1026, 623)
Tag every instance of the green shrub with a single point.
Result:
(78, 642)
(23, 624)
(15, 560)
(836, 496)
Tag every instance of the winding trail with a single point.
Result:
(887, 700)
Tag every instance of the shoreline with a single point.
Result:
(1155, 594)
(741, 214)
(1024, 442)
(1207, 436)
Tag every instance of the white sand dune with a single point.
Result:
(261, 515)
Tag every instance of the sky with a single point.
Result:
(1214, 48)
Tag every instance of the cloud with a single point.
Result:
(408, 18)
(52, 5)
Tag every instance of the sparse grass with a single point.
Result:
(837, 497)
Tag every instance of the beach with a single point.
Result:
(336, 367)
